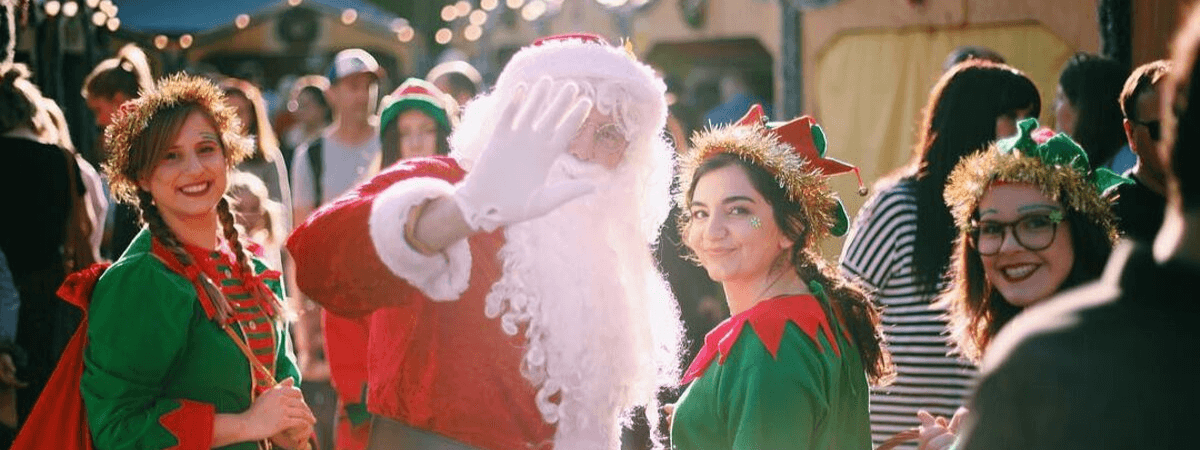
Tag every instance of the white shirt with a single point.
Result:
(345, 166)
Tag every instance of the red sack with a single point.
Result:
(58, 419)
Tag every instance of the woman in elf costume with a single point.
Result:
(1032, 223)
(791, 368)
(186, 342)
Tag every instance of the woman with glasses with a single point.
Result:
(790, 368)
(1032, 223)
(902, 239)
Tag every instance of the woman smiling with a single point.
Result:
(1032, 223)
(790, 369)
(187, 346)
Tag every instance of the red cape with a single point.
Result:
(58, 419)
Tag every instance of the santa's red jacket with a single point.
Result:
(436, 361)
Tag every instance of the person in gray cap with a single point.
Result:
(346, 154)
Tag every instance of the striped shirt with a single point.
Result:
(879, 253)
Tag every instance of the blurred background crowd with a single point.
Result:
(863, 67)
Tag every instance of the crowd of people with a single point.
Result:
(557, 259)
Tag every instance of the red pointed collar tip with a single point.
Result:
(768, 320)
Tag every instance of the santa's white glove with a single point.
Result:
(508, 183)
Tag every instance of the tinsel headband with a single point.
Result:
(133, 117)
(794, 152)
(1053, 163)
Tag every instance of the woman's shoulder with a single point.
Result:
(891, 199)
(898, 193)
(137, 275)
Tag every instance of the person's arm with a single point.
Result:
(352, 256)
(303, 196)
(436, 226)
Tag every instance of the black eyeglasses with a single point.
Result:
(1034, 232)
(1153, 128)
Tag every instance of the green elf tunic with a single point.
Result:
(157, 367)
(789, 380)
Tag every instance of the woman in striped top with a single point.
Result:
(971, 105)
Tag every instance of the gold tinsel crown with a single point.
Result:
(132, 118)
(793, 152)
(1053, 163)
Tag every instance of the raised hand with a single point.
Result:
(508, 183)
(937, 433)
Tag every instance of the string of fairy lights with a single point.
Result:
(102, 13)
(469, 18)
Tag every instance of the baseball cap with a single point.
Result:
(353, 61)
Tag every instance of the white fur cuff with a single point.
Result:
(441, 277)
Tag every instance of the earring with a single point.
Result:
(755, 223)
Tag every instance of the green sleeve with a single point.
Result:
(285, 356)
(138, 325)
(776, 402)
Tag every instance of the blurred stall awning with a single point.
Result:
(192, 16)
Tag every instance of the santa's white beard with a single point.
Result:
(603, 330)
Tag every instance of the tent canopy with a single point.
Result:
(190, 16)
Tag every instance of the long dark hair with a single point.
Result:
(977, 311)
(848, 303)
(388, 136)
(959, 120)
(1093, 85)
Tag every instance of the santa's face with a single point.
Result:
(601, 140)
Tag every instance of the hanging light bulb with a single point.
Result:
(405, 34)
(53, 7)
(473, 32)
(349, 16)
(449, 13)
(69, 9)
(443, 36)
(478, 17)
(533, 10)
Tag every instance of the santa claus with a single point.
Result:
(513, 299)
